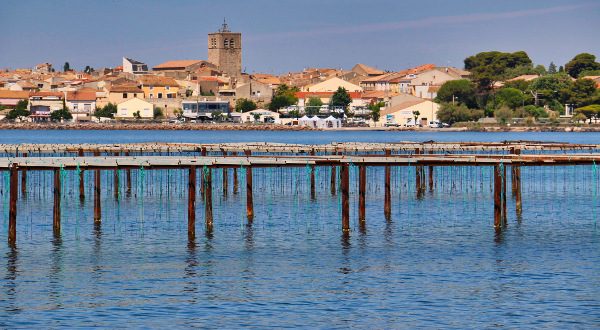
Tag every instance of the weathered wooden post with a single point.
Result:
(24, 179)
(116, 180)
(497, 198)
(225, 178)
(362, 187)
(208, 213)
(203, 154)
(192, 203)
(431, 175)
(387, 203)
(57, 195)
(128, 178)
(249, 202)
(504, 220)
(235, 178)
(418, 174)
(12, 208)
(313, 192)
(345, 198)
(97, 190)
(81, 178)
(332, 182)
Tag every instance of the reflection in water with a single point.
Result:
(190, 286)
(56, 269)
(10, 283)
(346, 245)
(96, 275)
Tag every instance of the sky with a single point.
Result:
(279, 36)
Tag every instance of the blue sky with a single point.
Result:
(283, 35)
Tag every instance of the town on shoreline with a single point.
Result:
(494, 91)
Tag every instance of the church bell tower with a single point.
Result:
(225, 50)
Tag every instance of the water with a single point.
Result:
(437, 263)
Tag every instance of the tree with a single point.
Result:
(66, 67)
(61, 114)
(20, 110)
(88, 69)
(535, 112)
(579, 117)
(503, 115)
(137, 115)
(581, 62)
(284, 96)
(561, 69)
(453, 113)
(178, 112)
(581, 92)
(256, 117)
(342, 99)
(108, 111)
(158, 113)
(462, 91)
(376, 110)
(416, 114)
(552, 68)
(590, 111)
(313, 106)
(511, 97)
(244, 105)
(489, 67)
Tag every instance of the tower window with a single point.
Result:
(231, 43)
(213, 42)
(226, 43)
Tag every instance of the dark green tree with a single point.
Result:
(511, 97)
(533, 111)
(284, 96)
(66, 67)
(452, 113)
(313, 106)
(244, 105)
(590, 111)
(581, 62)
(342, 99)
(489, 67)
(61, 114)
(462, 91)
(20, 110)
(158, 113)
(376, 110)
(552, 68)
(108, 111)
(581, 93)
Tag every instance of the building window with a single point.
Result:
(170, 95)
(75, 106)
(226, 43)
(124, 95)
(160, 95)
(231, 43)
(151, 87)
(151, 96)
(167, 87)
(213, 42)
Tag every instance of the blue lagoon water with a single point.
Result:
(437, 263)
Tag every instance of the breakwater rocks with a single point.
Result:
(153, 126)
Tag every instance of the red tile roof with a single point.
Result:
(81, 96)
(303, 95)
(4, 94)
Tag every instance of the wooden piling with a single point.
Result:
(202, 186)
(504, 215)
(12, 211)
(497, 198)
(225, 178)
(362, 188)
(387, 203)
(128, 178)
(81, 179)
(116, 180)
(192, 203)
(57, 197)
(24, 179)
(235, 178)
(249, 202)
(345, 190)
(313, 191)
(208, 212)
(332, 185)
(97, 190)
(418, 175)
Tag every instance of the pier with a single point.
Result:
(505, 160)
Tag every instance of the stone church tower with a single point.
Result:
(225, 50)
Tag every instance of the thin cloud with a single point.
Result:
(423, 23)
